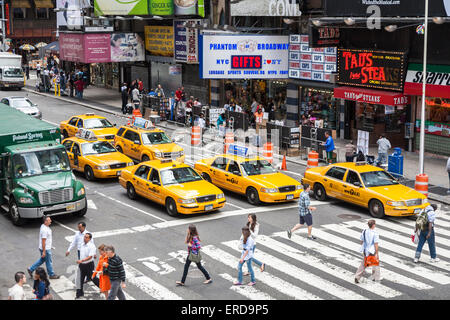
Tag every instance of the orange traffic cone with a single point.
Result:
(283, 164)
(137, 113)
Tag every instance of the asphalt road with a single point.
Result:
(151, 243)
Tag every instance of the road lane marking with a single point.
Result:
(249, 292)
(302, 275)
(265, 277)
(350, 260)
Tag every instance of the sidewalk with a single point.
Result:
(108, 100)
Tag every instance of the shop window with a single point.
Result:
(318, 108)
(437, 116)
(370, 115)
(42, 13)
(19, 13)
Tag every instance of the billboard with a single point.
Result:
(256, 8)
(127, 47)
(159, 40)
(249, 56)
(121, 7)
(70, 16)
(185, 42)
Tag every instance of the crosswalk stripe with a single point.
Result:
(346, 258)
(249, 292)
(148, 285)
(407, 252)
(303, 275)
(410, 229)
(64, 288)
(265, 277)
(410, 247)
(401, 263)
(438, 223)
(324, 266)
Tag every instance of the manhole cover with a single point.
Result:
(349, 216)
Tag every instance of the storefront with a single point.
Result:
(105, 74)
(437, 106)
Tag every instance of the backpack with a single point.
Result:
(422, 221)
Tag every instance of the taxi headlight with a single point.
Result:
(25, 200)
(158, 155)
(186, 201)
(81, 192)
(395, 203)
(129, 164)
(220, 196)
(103, 167)
(269, 190)
(425, 200)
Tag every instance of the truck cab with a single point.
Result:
(11, 73)
(35, 174)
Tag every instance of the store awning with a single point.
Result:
(54, 46)
(44, 4)
(20, 4)
(371, 96)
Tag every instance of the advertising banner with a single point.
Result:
(71, 14)
(435, 128)
(71, 47)
(307, 63)
(437, 82)
(97, 47)
(389, 8)
(127, 47)
(185, 42)
(159, 40)
(281, 8)
(372, 68)
(121, 7)
(324, 37)
(248, 56)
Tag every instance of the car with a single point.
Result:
(102, 128)
(95, 158)
(252, 176)
(23, 104)
(147, 143)
(172, 184)
(367, 186)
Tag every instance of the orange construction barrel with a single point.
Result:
(196, 134)
(229, 139)
(313, 159)
(421, 183)
(268, 151)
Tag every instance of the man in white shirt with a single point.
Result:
(45, 247)
(38, 69)
(369, 247)
(16, 292)
(135, 97)
(238, 108)
(85, 262)
(78, 239)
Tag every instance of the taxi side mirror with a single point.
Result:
(357, 184)
(156, 182)
(237, 173)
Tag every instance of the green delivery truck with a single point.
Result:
(35, 174)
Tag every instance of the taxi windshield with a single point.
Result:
(255, 167)
(97, 123)
(377, 179)
(97, 148)
(155, 138)
(39, 162)
(179, 175)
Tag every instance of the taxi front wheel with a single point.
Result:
(171, 207)
(252, 196)
(376, 209)
(89, 173)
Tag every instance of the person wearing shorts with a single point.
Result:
(305, 210)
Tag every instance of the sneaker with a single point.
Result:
(435, 260)
(289, 233)
(30, 273)
(416, 260)
(207, 281)
(356, 280)
(237, 283)
(312, 238)
(251, 283)
(54, 276)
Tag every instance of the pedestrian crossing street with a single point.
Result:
(298, 268)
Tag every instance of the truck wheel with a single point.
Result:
(252, 196)
(14, 213)
(82, 212)
(145, 158)
(320, 193)
(89, 173)
(131, 192)
(206, 177)
(376, 209)
(171, 207)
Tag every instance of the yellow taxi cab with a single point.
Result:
(253, 177)
(173, 184)
(96, 158)
(143, 142)
(367, 186)
(101, 127)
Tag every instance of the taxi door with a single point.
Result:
(72, 126)
(217, 172)
(333, 180)
(68, 146)
(233, 177)
(129, 147)
(352, 188)
(140, 181)
(76, 161)
(154, 188)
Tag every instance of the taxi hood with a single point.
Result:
(273, 180)
(108, 158)
(398, 192)
(104, 131)
(165, 147)
(193, 189)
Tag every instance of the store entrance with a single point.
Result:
(349, 119)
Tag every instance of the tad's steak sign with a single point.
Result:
(372, 69)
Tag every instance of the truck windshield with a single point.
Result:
(40, 162)
(97, 123)
(97, 147)
(155, 138)
(13, 73)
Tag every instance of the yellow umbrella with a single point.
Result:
(40, 44)
(27, 47)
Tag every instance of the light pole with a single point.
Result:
(422, 121)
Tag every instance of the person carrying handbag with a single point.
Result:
(194, 246)
(246, 244)
(369, 247)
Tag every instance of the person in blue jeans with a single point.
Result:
(253, 226)
(427, 235)
(247, 245)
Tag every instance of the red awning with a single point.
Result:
(432, 90)
(371, 96)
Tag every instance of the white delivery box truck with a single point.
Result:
(11, 73)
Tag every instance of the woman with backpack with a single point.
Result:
(425, 224)
(369, 247)
(246, 245)
(41, 285)
(254, 231)
(194, 246)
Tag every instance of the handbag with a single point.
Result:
(197, 258)
(415, 237)
(371, 261)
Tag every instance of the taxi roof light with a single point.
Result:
(360, 163)
(89, 114)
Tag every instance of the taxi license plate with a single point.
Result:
(416, 210)
(289, 197)
(118, 173)
(209, 207)
(70, 207)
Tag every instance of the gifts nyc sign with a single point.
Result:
(372, 69)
